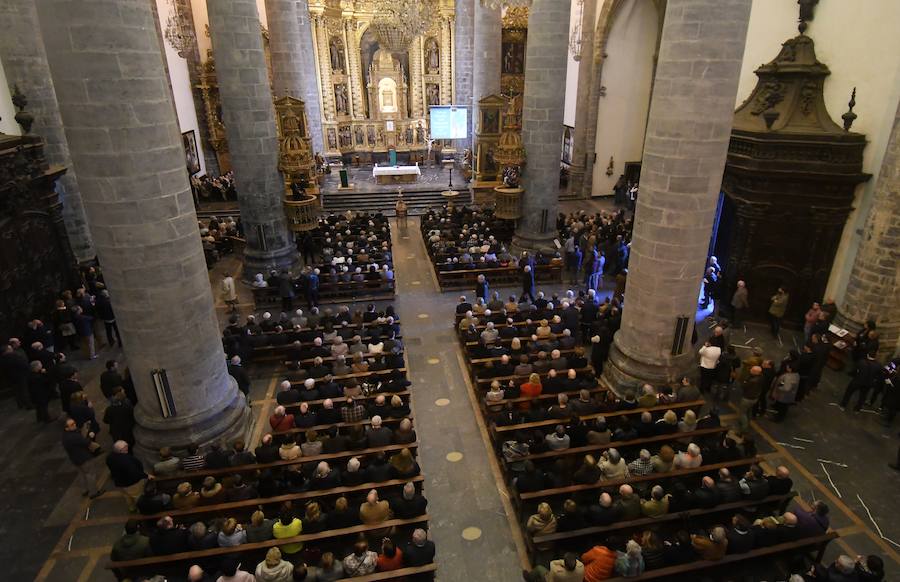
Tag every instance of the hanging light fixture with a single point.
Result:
(398, 22)
(575, 39)
(179, 31)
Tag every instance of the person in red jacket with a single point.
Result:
(599, 563)
(280, 421)
(531, 389)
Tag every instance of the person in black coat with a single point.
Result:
(119, 415)
(267, 451)
(236, 371)
(77, 443)
(14, 370)
(168, 539)
(40, 388)
(527, 283)
(104, 310)
(482, 288)
(868, 371)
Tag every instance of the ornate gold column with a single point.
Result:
(416, 76)
(446, 50)
(354, 79)
(328, 109)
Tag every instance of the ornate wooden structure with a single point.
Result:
(295, 155)
(36, 261)
(789, 184)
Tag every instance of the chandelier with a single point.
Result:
(179, 30)
(495, 4)
(397, 22)
(575, 39)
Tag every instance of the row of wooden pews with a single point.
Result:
(561, 478)
(321, 479)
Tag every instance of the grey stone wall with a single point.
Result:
(583, 102)
(488, 34)
(542, 122)
(126, 146)
(463, 41)
(293, 60)
(249, 118)
(691, 115)
(25, 64)
(873, 290)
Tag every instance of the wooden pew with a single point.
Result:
(572, 394)
(340, 292)
(663, 438)
(817, 543)
(314, 403)
(521, 379)
(262, 546)
(611, 483)
(252, 468)
(654, 521)
(251, 504)
(480, 361)
(497, 276)
(392, 574)
(341, 377)
(697, 404)
(324, 427)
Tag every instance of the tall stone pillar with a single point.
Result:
(25, 64)
(249, 117)
(873, 290)
(488, 35)
(542, 122)
(126, 147)
(293, 60)
(691, 115)
(582, 102)
(463, 45)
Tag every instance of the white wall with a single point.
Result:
(627, 76)
(8, 123)
(201, 20)
(572, 68)
(181, 86)
(858, 41)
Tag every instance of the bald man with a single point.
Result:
(751, 389)
(196, 574)
(707, 495)
(628, 504)
(780, 483)
(604, 512)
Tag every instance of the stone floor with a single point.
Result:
(471, 517)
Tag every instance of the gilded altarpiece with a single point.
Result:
(374, 99)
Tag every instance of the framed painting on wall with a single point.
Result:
(191, 153)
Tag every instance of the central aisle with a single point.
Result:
(468, 521)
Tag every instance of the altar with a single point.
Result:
(396, 174)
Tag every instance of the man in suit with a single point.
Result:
(463, 306)
(868, 371)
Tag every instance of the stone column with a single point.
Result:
(464, 25)
(25, 64)
(542, 122)
(446, 60)
(249, 117)
(691, 115)
(126, 146)
(293, 61)
(582, 103)
(486, 54)
(873, 290)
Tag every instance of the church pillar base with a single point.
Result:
(208, 426)
(256, 261)
(626, 373)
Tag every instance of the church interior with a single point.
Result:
(483, 290)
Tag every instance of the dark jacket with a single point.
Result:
(120, 417)
(130, 547)
(76, 446)
(169, 541)
(124, 469)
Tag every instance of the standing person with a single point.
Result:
(63, 327)
(483, 288)
(810, 320)
(710, 288)
(286, 291)
(119, 415)
(84, 326)
(229, 292)
(105, 312)
(527, 283)
(784, 390)
(709, 359)
(40, 387)
(868, 372)
(312, 288)
(777, 307)
(401, 209)
(751, 389)
(14, 368)
(81, 449)
(740, 301)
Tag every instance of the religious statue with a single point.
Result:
(340, 99)
(371, 134)
(332, 140)
(345, 137)
(336, 50)
(432, 57)
(433, 94)
(420, 132)
(360, 137)
(401, 138)
(512, 59)
(409, 134)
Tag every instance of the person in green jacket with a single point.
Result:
(132, 545)
(288, 526)
(777, 309)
